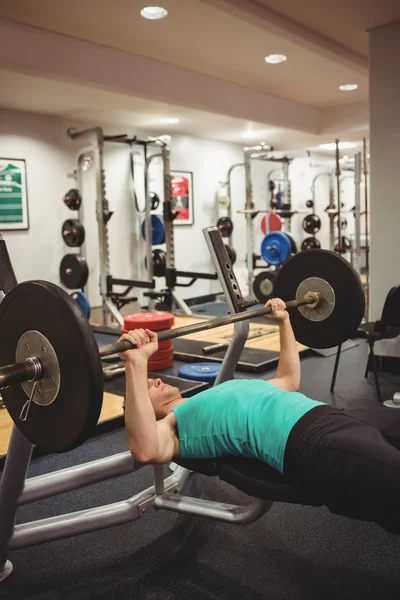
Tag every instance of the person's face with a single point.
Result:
(161, 395)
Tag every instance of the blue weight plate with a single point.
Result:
(206, 372)
(82, 302)
(158, 230)
(276, 247)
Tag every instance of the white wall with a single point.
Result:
(385, 150)
(50, 156)
(39, 140)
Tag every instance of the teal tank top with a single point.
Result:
(242, 417)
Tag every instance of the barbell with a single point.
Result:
(52, 384)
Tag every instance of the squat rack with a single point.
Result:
(112, 300)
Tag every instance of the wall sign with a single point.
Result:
(182, 197)
(13, 194)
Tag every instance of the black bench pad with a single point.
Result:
(253, 477)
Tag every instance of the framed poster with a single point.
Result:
(13, 194)
(182, 197)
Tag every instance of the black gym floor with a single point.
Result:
(293, 552)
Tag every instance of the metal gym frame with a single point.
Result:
(95, 151)
(17, 490)
(111, 300)
(263, 152)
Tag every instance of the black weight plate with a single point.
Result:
(154, 201)
(350, 300)
(311, 223)
(73, 233)
(74, 271)
(159, 262)
(345, 247)
(293, 249)
(231, 253)
(73, 199)
(225, 225)
(264, 286)
(310, 243)
(71, 418)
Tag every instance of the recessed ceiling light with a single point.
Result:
(348, 87)
(169, 121)
(154, 12)
(275, 59)
(342, 146)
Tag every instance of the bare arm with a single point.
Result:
(148, 441)
(140, 420)
(288, 373)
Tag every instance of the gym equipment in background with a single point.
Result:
(225, 226)
(158, 230)
(231, 253)
(73, 199)
(310, 243)
(274, 222)
(154, 201)
(159, 262)
(155, 321)
(264, 284)
(74, 271)
(83, 303)
(344, 245)
(73, 233)
(206, 372)
(311, 224)
(276, 247)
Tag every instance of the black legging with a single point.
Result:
(350, 459)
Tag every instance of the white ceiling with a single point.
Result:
(202, 38)
(224, 40)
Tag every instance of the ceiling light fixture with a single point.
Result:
(169, 121)
(342, 146)
(275, 59)
(348, 87)
(154, 12)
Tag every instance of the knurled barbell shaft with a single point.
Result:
(171, 334)
(17, 373)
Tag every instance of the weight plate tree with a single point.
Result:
(48, 343)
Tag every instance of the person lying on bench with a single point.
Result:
(349, 458)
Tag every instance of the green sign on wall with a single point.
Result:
(13, 194)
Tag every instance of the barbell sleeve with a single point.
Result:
(18, 373)
(170, 334)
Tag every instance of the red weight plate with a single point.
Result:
(165, 345)
(275, 223)
(163, 354)
(156, 321)
(158, 365)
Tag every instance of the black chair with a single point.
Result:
(386, 328)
